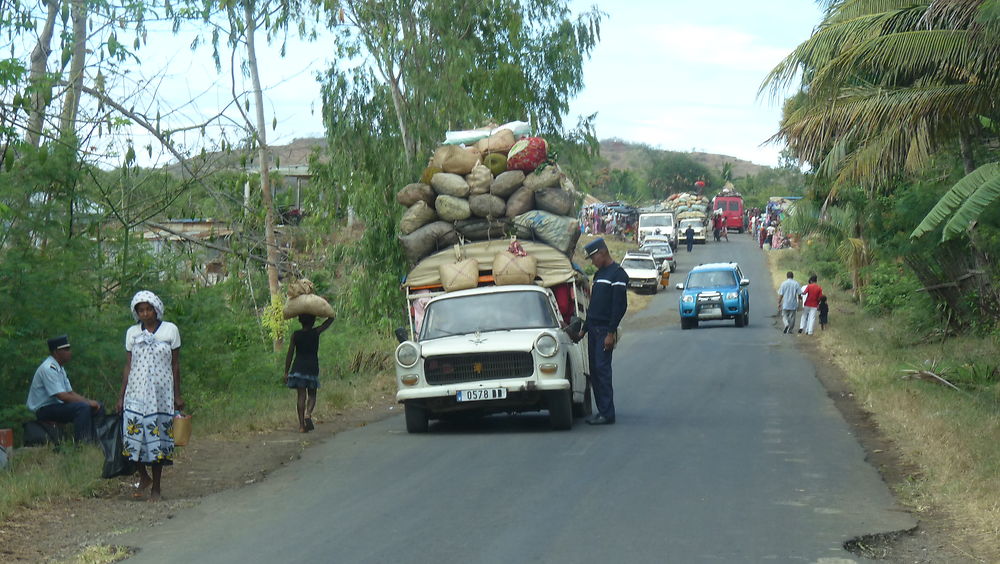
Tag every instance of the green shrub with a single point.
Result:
(890, 287)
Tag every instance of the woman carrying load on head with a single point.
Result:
(151, 391)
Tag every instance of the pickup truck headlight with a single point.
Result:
(732, 296)
(407, 354)
(687, 298)
(546, 345)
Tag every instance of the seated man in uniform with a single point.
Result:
(52, 398)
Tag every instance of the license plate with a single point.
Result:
(635, 284)
(712, 312)
(481, 395)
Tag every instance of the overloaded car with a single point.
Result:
(696, 225)
(715, 291)
(659, 247)
(643, 271)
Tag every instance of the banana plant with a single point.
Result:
(959, 209)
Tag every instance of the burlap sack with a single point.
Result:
(450, 208)
(450, 184)
(299, 287)
(482, 229)
(544, 178)
(461, 274)
(413, 193)
(506, 183)
(555, 200)
(479, 179)
(428, 239)
(416, 216)
(499, 142)
(520, 202)
(509, 269)
(455, 159)
(308, 304)
(487, 205)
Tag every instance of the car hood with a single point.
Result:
(491, 341)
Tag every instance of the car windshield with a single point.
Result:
(658, 249)
(639, 264)
(656, 221)
(502, 311)
(691, 222)
(710, 279)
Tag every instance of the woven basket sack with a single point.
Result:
(511, 268)
(310, 304)
(461, 274)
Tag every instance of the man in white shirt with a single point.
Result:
(51, 397)
(788, 300)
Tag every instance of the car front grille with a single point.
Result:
(709, 300)
(475, 367)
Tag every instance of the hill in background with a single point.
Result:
(624, 155)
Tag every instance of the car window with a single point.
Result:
(711, 279)
(487, 312)
(639, 263)
(656, 221)
(734, 206)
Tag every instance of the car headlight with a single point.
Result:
(546, 345)
(688, 299)
(732, 295)
(407, 354)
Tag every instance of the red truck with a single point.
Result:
(731, 206)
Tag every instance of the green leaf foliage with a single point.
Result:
(963, 203)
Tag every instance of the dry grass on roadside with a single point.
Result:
(40, 474)
(952, 437)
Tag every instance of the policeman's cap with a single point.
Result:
(594, 247)
(60, 342)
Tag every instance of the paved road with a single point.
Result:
(726, 450)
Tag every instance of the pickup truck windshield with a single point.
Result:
(710, 279)
(502, 311)
(639, 264)
(656, 220)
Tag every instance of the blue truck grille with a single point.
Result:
(452, 369)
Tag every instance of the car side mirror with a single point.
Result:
(745, 282)
(401, 334)
(679, 286)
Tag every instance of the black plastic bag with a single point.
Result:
(37, 433)
(109, 435)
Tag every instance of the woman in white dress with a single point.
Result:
(151, 391)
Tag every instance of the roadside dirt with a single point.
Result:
(935, 539)
(59, 531)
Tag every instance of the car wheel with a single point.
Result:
(746, 319)
(740, 320)
(416, 417)
(673, 267)
(560, 403)
(656, 288)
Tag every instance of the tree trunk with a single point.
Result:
(71, 105)
(968, 158)
(270, 239)
(39, 60)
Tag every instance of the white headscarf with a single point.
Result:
(145, 296)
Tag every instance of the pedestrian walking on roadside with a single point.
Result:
(608, 303)
(151, 391)
(824, 313)
(302, 368)
(689, 237)
(811, 294)
(788, 301)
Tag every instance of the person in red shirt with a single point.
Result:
(811, 294)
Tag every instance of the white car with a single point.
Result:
(492, 349)
(643, 271)
(660, 248)
(699, 230)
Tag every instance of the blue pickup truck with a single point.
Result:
(715, 291)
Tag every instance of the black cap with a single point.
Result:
(594, 247)
(60, 342)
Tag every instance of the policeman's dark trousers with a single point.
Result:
(79, 414)
(600, 372)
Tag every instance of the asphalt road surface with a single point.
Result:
(726, 449)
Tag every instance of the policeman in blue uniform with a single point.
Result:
(51, 397)
(608, 303)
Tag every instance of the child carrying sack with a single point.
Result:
(514, 266)
(302, 301)
(461, 274)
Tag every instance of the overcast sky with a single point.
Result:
(675, 74)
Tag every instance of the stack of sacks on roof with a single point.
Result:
(495, 188)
